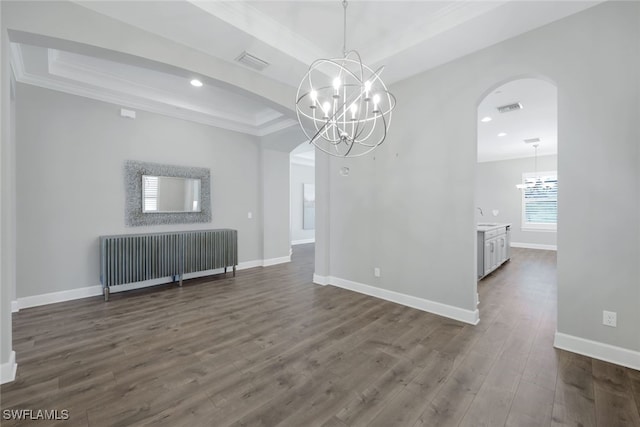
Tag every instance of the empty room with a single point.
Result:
(320, 213)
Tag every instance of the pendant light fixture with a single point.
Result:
(343, 106)
(536, 180)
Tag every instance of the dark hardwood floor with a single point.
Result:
(270, 348)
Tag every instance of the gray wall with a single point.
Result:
(275, 204)
(300, 174)
(70, 182)
(6, 172)
(496, 189)
(412, 209)
(284, 140)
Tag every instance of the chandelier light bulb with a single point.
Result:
(326, 107)
(376, 101)
(354, 109)
(336, 83)
(313, 95)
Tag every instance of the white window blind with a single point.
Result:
(540, 202)
(150, 191)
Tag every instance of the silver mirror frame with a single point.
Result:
(134, 217)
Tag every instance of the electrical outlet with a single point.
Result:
(376, 272)
(610, 318)
(249, 215)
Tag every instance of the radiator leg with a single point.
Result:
(180, 282)
(106, 293)
(225, 270)
(234, 271)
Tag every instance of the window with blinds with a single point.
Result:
(150, 191)
(540, 201)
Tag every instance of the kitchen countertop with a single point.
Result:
(485, 226)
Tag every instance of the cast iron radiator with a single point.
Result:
(130, 258)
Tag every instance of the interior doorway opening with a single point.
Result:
(302, 194)
(517, 182)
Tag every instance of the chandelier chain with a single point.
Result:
(344, 39)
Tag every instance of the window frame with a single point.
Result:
(537, 226)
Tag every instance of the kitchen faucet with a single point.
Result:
(481, 213)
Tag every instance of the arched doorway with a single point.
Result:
(516, 174)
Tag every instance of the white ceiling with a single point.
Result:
(537, 119)
(406, 36)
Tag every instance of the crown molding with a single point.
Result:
(137, 101)
(266, 116)
(142, 104)
(255, 23)
(87, 74)
(275, 127)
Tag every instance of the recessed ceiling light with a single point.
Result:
(196, 83)
(486, 119)
(502, 134)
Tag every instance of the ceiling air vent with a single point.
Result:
(531, 140)
(510, 107)
(252, 61)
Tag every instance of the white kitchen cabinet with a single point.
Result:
(493, 247)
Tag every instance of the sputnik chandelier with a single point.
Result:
(343, 106)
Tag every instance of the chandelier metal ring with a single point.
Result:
(343, 106)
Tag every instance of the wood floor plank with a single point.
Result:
(491, 405)
(410, 403)
(574, 402)
(268, 347)
(450, 404)
(615, 409)
(542, 371)
(532, 406)
(634, 379)
(363, 408)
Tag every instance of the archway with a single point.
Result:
(517, 145)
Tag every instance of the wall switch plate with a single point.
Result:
(610, 318)
(250, 215)
(376, 272)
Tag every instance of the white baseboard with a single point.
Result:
(534, 246)
(456, 313)
(8, 369)
(303, 241)
(61, 296)
(320, 280)
(250, 264)
(91, 291)
(597, 350)
(274, 261)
